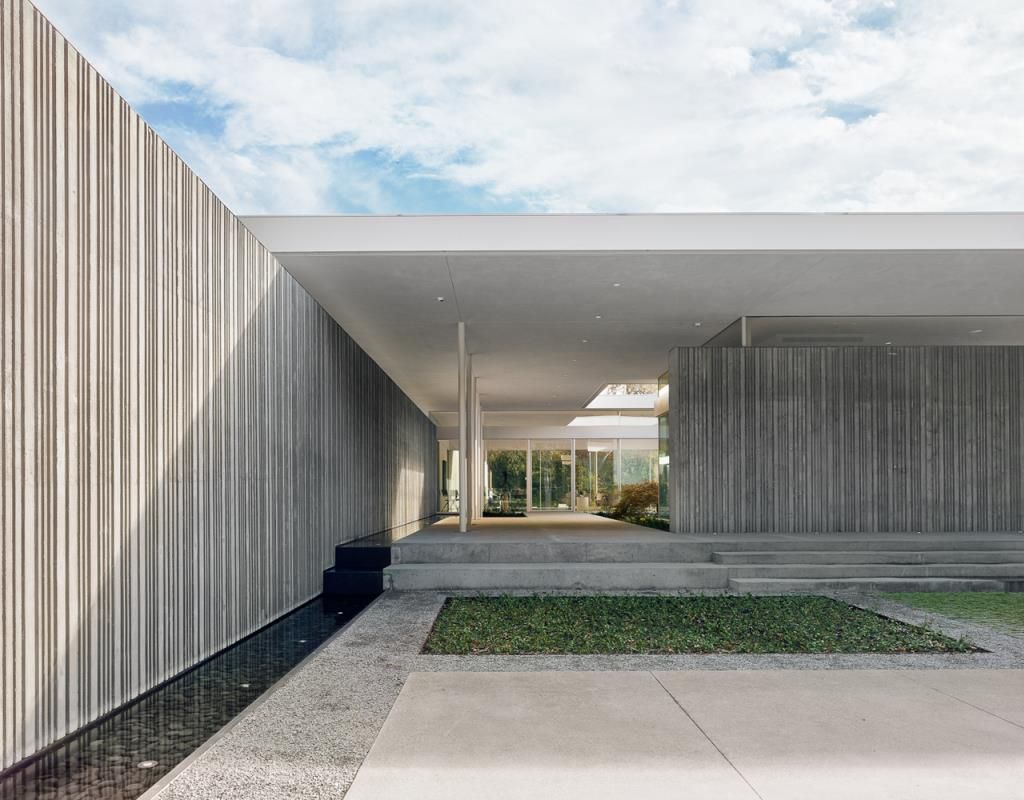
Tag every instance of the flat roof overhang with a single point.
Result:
(558, 305)
(768, 232)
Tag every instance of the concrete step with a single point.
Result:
(675, 548)
(868, 557)
(896, 542)
(556, 576)
(812, 585)
(997, 571)
(671, 550)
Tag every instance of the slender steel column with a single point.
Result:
(471, 456)
(463, 432)
(478, 450)
(529, 475)
(572, 474)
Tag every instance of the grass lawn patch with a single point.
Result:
(1002, 610)
(698, 624)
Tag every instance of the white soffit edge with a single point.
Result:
(639, 232)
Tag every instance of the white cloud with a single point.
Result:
(598, 105)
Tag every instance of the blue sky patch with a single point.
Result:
(185, 107)
(879, 18)
(767, 60)
(850, 113)
(404, 186)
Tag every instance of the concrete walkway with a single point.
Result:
(764, 734)
(308, 736)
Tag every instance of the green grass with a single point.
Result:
(699, 624)
(1001, 610)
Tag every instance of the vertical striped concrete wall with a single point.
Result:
(847, 439)
(185, 432)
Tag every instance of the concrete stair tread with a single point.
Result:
(592, 576)
(836, 543)
(867, 557)
(882, 584)
(549, 565)
(875, 570)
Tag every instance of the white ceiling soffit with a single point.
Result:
(547, 325)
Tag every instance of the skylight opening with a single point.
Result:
(626, 395)
(613, 420)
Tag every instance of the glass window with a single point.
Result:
(663, 460)
(639, 461)
(448, 476)
(505, 478)
(596, 487)
(552, 473)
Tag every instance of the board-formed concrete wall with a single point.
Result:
(847, 439)
(185, 432)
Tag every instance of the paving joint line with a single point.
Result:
(704, 733)
(910, 677)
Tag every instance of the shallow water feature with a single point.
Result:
(130, 751)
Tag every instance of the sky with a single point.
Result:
(459, 106)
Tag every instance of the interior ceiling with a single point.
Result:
(528, 313)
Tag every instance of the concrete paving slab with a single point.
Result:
(541, 734)
(853, 734)
(999, 692)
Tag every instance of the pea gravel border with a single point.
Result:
(307, 736)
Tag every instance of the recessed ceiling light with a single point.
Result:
(696, 324)
(597, 316)
(979, 330)
(585, 341)
(616, 285)
(440, 299)
(888, 342)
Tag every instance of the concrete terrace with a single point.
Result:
(560, 551)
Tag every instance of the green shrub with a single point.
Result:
(637, 499)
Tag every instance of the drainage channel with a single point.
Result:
(130, 750)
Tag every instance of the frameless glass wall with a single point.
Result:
(448, 476)
(557, 474)
(876, 331)
(505, 475)
(551, 474)
(596, 480)
(661, 409)
(639, 461)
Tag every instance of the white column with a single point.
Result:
(471, 476)
(572, 474)
(463, 432)
(478, 450)
(529, 475)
